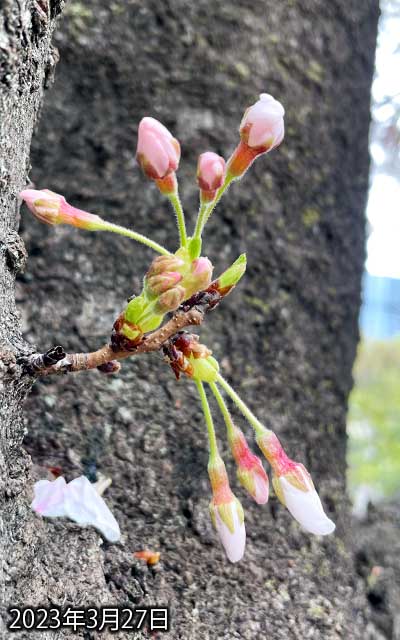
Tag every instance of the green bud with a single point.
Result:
(204, 369)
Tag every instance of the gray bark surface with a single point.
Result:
(286, 337)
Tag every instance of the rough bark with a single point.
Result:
(27, 60)
(286, 336)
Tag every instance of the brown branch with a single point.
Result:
(37, 364)
(191, 312)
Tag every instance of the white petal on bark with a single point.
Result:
(49, 498)
(306, 508)
(233, 543)
(77, 500)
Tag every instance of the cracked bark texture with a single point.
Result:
(286, 337)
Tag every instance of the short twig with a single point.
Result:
(191, 312)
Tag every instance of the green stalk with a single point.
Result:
(259, 428)
(180, 217)
(218, 197)
(200, 219)
(224, 409)
(209, 421)
(205, 211)
(123, 231)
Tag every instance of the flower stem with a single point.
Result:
(206, 209)
(218, 197)
(200, 219)
(209, 421)
(255, 423)
(123, 231)
(224, 409)
(180, 217)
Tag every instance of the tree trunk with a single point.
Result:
(286, 337)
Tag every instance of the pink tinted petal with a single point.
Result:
(261, 489)
(233, 543)
(154, 125)
(153, 152)
(49, 497)
(210, 171)
(201, 265)
(158, 152)
(262, 123)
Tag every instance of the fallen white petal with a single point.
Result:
(234, 543)
(77, 500)
(84, 505)
(49, 497)
(306, 508)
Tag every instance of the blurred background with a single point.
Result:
(374, 411)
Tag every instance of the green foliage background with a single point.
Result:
(374, 418)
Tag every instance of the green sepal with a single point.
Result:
(232, 275)
(134, 309)
(151, 323)
(278, 489)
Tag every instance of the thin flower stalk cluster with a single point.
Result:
(172, 279)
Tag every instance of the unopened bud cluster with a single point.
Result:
(184, 279)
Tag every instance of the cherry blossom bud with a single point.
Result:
(204, 369)
(77, 500)
(158, 153)
(170, 300)
(198, 277)
(52, 208)
(162, 282)
(210, 174)
(226, 512)
(251, 474)
(163, 264)
(303, 503)
(262, 126)
(294, 487)
(261, 129)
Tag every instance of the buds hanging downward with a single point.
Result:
(294, 487)
(226, 512)
(251, 474)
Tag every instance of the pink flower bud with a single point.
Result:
(199, 276)
(45, 204)
(226, 512)
(294, 487)
(162, 282)
(261, 130)
(210, 174)
(163, 264)
(52, 208)
(170, 300)
(158, 153)
(262, 125)
(251, 473)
